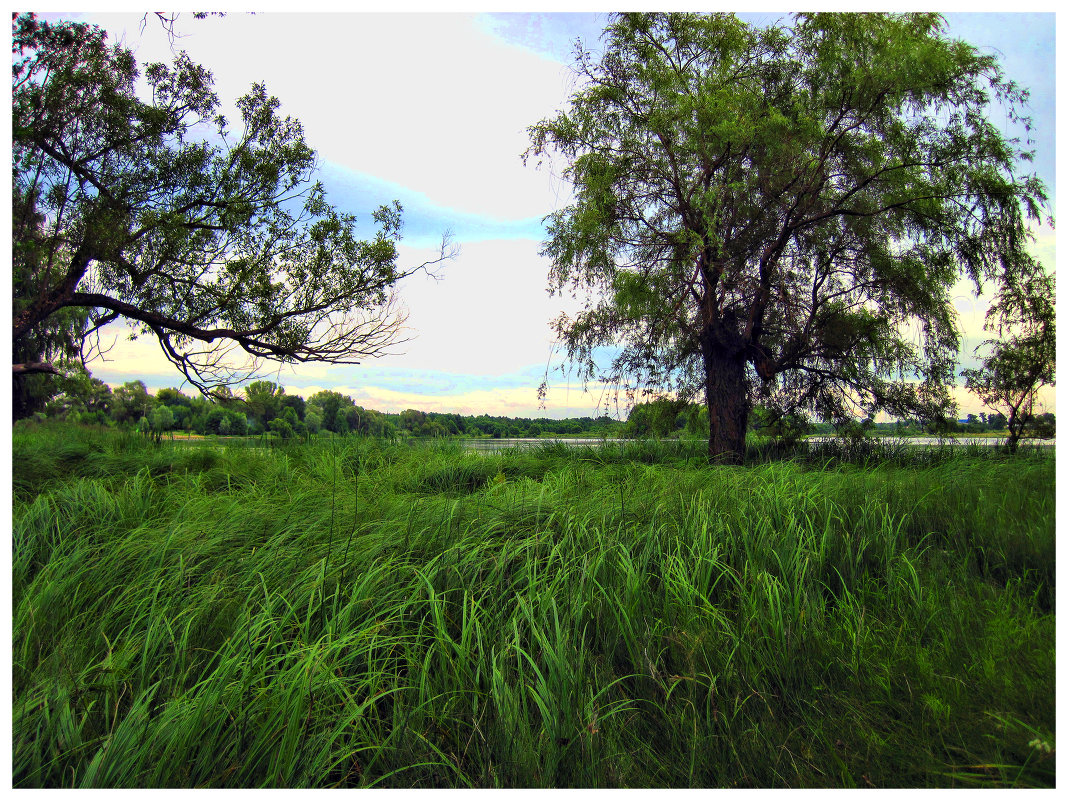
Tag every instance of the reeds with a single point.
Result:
(358, 613)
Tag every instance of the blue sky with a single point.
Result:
(432, 110)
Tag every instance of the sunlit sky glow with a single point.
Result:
(432, 110)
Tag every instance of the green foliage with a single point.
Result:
(658, 418)
(60, 339)
(218, 420)
(169, 396)
(79, 392)
(161, 418)
(785, 429)
(281, 427)
(294, 402)
(364, 614)
(1024, 359)
(264, 401)
(238, 423)
(330, 407)
(157, 212)
(777, 215)
(131, 401)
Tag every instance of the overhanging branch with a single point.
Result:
(34, 368)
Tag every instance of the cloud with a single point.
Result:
(488, 314)
(385, 388)
(429, 100)
(424, 222)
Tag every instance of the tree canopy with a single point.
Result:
(1023, 359)
(778, 214)
(215, 241)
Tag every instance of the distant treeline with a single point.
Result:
(665, 417)
(265, 407)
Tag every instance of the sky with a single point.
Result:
(432, 109)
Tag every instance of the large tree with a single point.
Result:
(154, 212)
(331, 407)
(779, 213)
(263, 401)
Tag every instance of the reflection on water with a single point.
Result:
(487, 444)
(956, 441)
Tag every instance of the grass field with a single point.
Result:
(357, 614)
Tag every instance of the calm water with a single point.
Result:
(504, 444)
(952, 441)
(482, 444)
(488, 445)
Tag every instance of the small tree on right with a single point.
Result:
(1024, 357)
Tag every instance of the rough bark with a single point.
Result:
(727, 399)
(51, 300)
(1015, 426)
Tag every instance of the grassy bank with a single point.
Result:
(353, 613)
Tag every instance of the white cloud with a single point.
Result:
(429, 101)
(488, 314)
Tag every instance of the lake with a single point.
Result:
(485, 444)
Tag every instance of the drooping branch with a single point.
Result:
(34, 368)
(216, 244)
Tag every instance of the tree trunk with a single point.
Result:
(51, 300)
(727, 399)
(1015, 431)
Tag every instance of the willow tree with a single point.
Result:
(780, 213)
(149, 208)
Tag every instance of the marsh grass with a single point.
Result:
(364, 614)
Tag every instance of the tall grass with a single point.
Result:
(361, 614)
